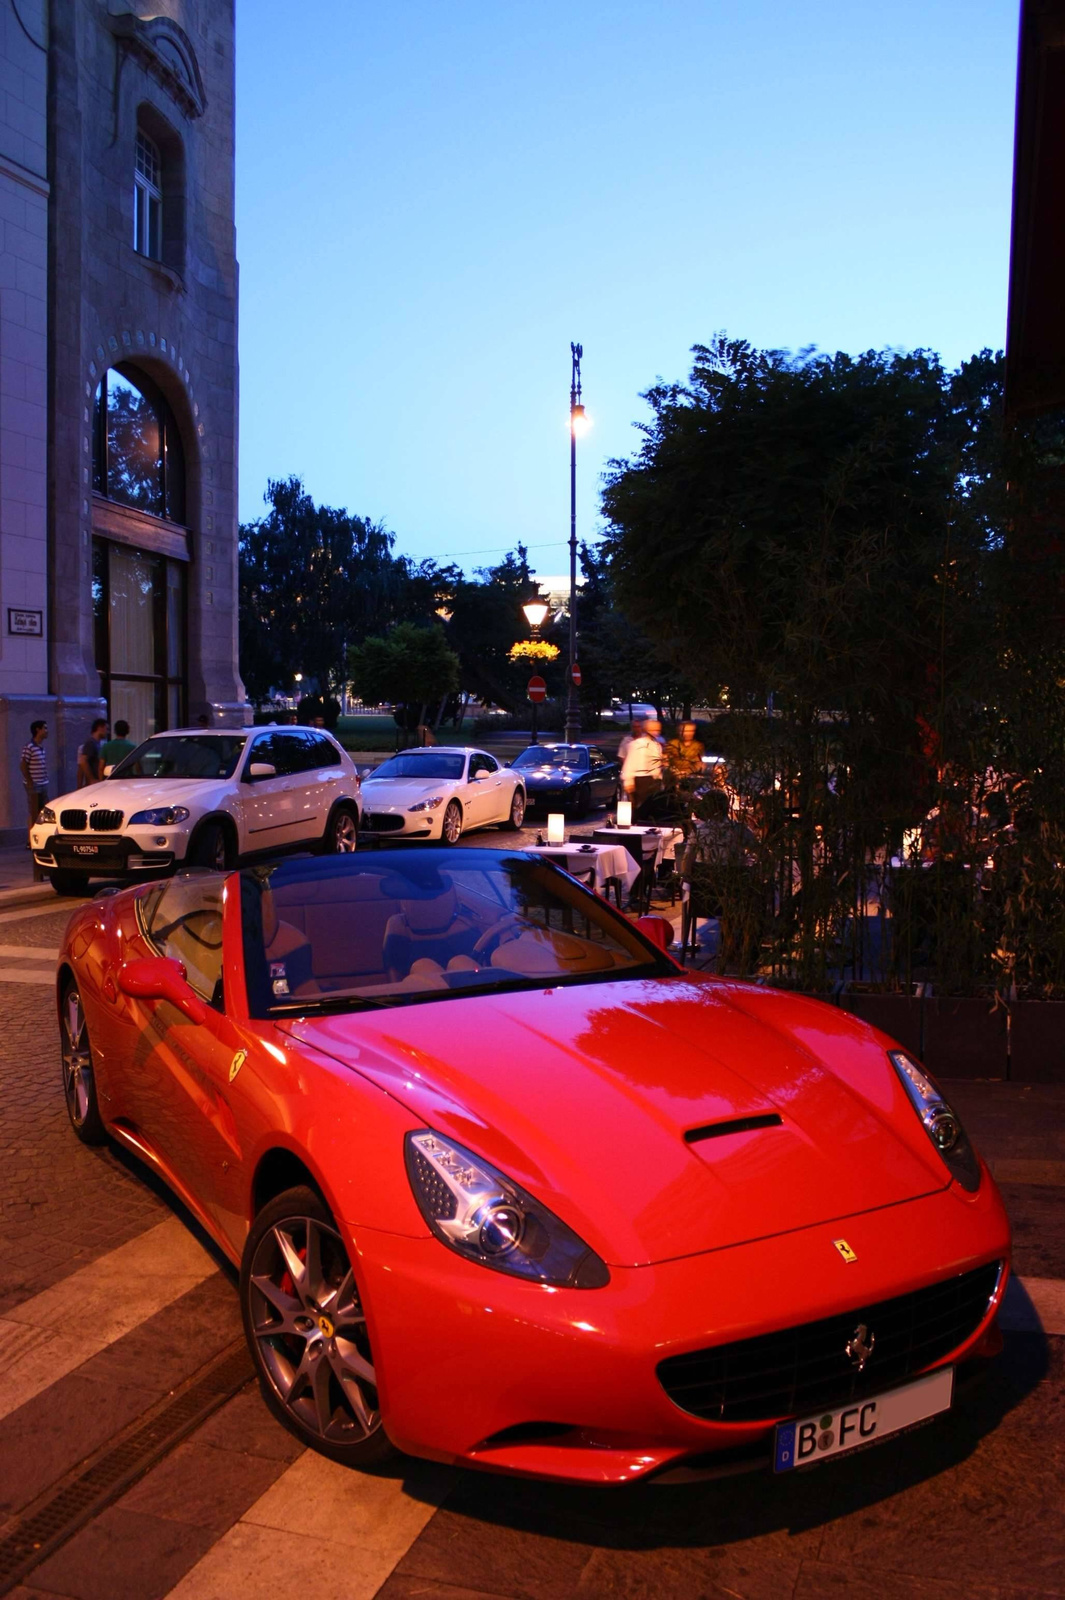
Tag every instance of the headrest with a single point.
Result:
(430, 916)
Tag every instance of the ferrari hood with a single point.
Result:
(610, 1103)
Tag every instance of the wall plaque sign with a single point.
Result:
(19, 621)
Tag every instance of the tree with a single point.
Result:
(411, 666)
(313, 581)
(485, 622)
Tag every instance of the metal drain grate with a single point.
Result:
(44, 1527)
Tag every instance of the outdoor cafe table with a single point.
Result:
(643, 841)
(608, 861)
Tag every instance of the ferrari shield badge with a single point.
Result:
(236, 1063)
(845, 1251)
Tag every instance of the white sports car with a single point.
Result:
(441, 791)
(202, 798)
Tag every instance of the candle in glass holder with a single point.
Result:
(556, 827)
(624, 813)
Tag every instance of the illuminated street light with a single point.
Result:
(578, 424)
(535, 612)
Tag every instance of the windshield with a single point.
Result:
(190, 755)
(554, 755)
(419, 764)
(342, 933)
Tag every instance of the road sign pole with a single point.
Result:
(536, 707)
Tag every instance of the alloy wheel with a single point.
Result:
(451, 828)
(310, 1332)
(517, 809)
(345, 833)
(79, 1087)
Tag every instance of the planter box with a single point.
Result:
(897, 1015)
(965, 1038)
(1037, 1041)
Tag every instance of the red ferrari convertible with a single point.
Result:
(508, 1187)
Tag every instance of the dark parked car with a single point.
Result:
(568, 777)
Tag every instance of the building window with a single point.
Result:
(137, 455)
(139, 614)
(148, 199)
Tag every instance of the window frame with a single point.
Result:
(147, 200)
(173, 474)
(164, 682)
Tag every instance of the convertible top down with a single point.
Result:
(509, 1187)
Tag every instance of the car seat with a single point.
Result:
(434, 927)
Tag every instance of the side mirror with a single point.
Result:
(108, 770)
(261, 769)
(161, 978)
(481, 776)
(658, 929)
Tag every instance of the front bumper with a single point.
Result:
(108, 854)
(478, 1368)
(402, 824)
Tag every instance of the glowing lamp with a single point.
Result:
(579, 420)
(624, 813)
(556, 827)
(535, 612)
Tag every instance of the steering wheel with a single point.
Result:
(510, 923)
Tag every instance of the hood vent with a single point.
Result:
(714, 1130)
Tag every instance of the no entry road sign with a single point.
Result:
(537, 690)
(576, 675)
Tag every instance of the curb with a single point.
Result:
(32, 894)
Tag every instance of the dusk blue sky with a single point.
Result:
(435, 196)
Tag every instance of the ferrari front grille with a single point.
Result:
(73, 821)
(105, 821)
(808, 1369)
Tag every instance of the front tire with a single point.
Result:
(517, 812)
(342, 833)
(306, 1330)
(451, 827)
(210, 848)
(66, 883)
(582, 800)
(79, 1076)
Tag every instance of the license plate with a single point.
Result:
(86, 849)
(831, 1433)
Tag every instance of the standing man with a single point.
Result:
(90, 767)
(118, 748)
(641, 770)
(34, 770)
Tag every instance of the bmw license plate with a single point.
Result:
(86, 849)
(830, 1433)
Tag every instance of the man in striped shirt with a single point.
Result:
(34, 770)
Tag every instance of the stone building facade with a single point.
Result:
(118, 374)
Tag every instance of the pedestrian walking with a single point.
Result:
(34, 770)
(641, 770)
(90, 767)
(626, 741)
(117, 748)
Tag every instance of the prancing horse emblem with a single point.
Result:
(236, 1063)
(860, 1346)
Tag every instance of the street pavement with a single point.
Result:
(126, 1408)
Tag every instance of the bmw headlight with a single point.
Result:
(427, 805)
(159, 817)
(490, 1219)
(46, 815)
(942, 1125)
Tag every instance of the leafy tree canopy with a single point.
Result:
(410, 665)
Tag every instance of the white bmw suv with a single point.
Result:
(202, 797)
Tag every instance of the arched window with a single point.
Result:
(137, 455)
(148, 198)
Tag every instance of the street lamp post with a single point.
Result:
(535, 612)
(577, 424)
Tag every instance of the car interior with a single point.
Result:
(379, 933)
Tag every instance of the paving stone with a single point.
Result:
(124, 1554)
(201, 1485)
(245, 1426)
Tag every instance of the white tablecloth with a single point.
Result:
(666, 840)
(610, 861)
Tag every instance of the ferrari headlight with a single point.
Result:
(427, 805)
(160, 817)
(490, 1219)
(46, 815)
(942, 1125)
